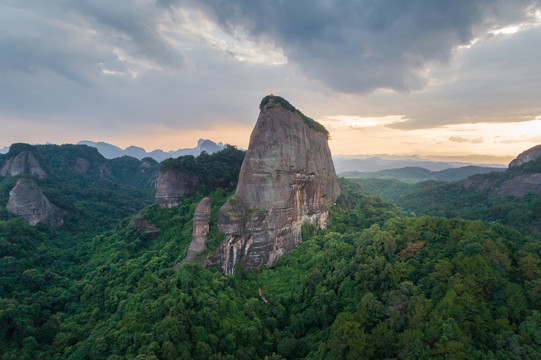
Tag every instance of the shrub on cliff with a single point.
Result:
(280, 101)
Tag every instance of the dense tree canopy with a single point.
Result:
(219, 170)
(453, 200)
(373, 285)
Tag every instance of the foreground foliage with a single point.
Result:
(373, 285)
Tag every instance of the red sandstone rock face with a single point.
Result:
(171, 187)
(24, 163)
(200, 230)
(287, 179)
(26, 200)
(528, 155)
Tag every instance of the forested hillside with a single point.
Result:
(373, 284)
(414, 174)
(486, 197)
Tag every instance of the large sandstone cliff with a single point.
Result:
(26, 200)
(287, 179)
(172, 186)
(23, 163)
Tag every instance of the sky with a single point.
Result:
(449, 78)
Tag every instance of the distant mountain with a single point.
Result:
(4, 150)
(343, 164)
(413, 174)
(511, 197)
(110, 151)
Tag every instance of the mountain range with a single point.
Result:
(413, 174)
(110, 151)
(376, 163)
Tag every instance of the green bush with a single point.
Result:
(279, 101)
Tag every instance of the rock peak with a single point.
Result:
(26, 200)
(287, 179)
(24, 163)
(200, 229)
(528, 155)
(272, 101)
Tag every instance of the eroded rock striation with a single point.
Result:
(172, 186)
(23, 163)
(26, 200)
(528, 155)
(200, 230)
(287, 179)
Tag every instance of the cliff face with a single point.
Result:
(528, 155)
(287, 179)
(171, 187)
(23, 163)
(200, 229)
(26, 200)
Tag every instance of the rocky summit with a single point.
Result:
(23, 163)
(26, 200)
(287, 179)
(522, 177)
(526, 156)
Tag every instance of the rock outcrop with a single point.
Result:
(26, 200)
(171, 187)
(287, 179)
(81, 165)
(528, 155)
(520, 186)
(144, 226)
(516, 181)
(23, 163)
(200, 229)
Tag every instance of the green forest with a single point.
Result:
(454, 200)
(382, 281)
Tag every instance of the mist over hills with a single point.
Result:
(110, 151)
(377, 163)
(413, 174)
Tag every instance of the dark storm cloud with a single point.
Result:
(137, 21)
(110, 63)
(359, 46)
(497, 80)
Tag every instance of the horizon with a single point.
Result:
(475, 159)
(418, 79)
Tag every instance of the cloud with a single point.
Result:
(459, 139)
(122, 64)
(360, 46)
(183, 64)
(496, 80)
